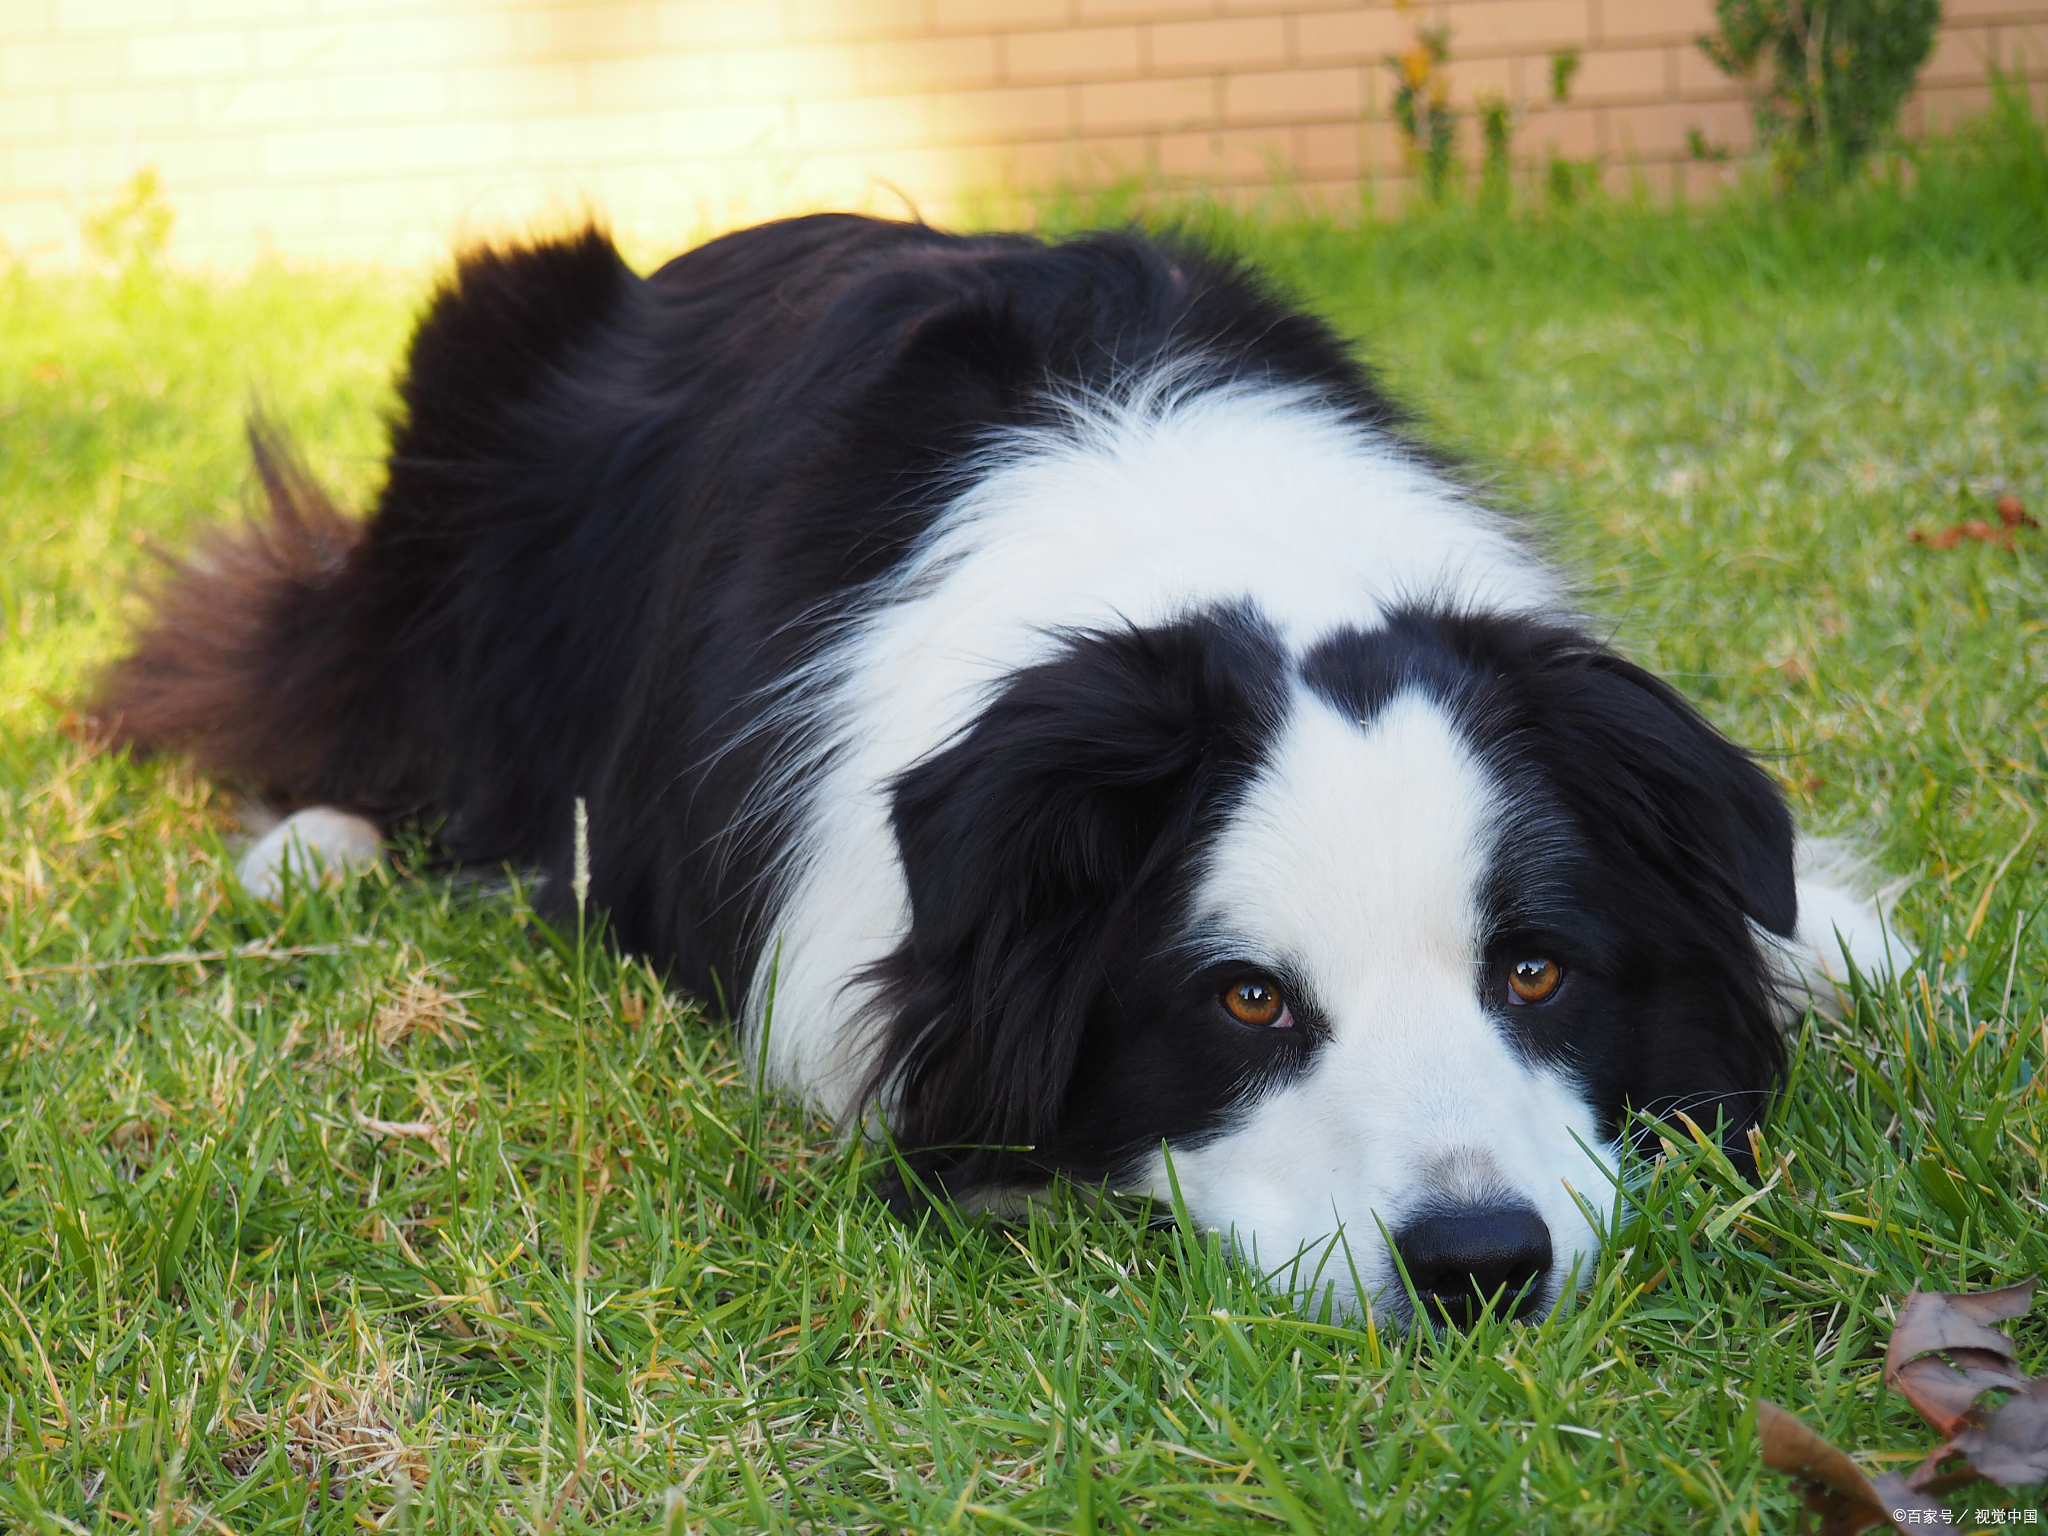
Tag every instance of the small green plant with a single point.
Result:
(132, 230)
(1827, 76)
(1564, 67)
(1568, 181)
(1496, 130)
(1422, 108)
(1696, 145)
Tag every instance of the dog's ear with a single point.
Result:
(1702, 846)
(1675, 793)
(1026, 844)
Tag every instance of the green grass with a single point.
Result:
(229, 1302)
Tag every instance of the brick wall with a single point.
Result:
(383, 128)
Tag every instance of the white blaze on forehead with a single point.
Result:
(1361, 848)
(1356, 866)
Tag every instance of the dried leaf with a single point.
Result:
(2011, 1446)
(1947, 1397)
(2012, 512)
(1833, 1486)
(1955, 533)
(1945, 1393)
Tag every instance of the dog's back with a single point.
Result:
(622, 513)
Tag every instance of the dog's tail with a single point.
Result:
(320, 660)
(249, 658)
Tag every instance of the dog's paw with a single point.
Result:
(318, 841)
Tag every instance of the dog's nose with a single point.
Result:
(1459, 1259)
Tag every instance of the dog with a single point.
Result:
(1052, 692)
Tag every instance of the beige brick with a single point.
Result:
(467, 40)
(69, 167)
(1380, 147)
(925, 63)
(1142, 10)
(31, 119)
(1620, 74)
(255, 102)
(1573, 132)
(1955, 12)
(1662, 129)
(1960, 57)
(486, 145)
(322, 47)
(1002, 115)
(516, 90)
(351, 12)
(383, 203)
(718, 23)
(245, 213)
(388, 95)
(1256, 156)
(1475, 79)
(696, 133)
(1329, 149)
(923, 173)
(1664, 21)
(62, 62)
(1698, 75)
(1227, 157)
(1700, 181)
(1296, 95)
(588, 139)
(1147, 104)
(1342, 196)
(189, 56)
(1501, 26)
(1110, 157)
(593, 31)
(35, 226)
(2023, 48)
(1073, 53)
(998, 15)
(863, 123)
(828, 21)
(1242, 42)
(1032, 165)
(25, 20)
(77, 18)
(1359, 35)
(658, 80)
(307, 154)
(1944, 106)
(796, 72)
(202, 160)
(129, 110)
(228, 13)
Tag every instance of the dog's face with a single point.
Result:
(1365, 951)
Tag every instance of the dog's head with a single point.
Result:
(1368, 949)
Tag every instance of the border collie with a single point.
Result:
(1053, 675)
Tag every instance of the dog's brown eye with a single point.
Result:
(1258, 1002)
(1534, 979)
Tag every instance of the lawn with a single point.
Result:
(293, 1201)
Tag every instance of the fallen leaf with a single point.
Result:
(1954, 534)
(1933, 1323)
(1945, 1396)
(2011, 1447)
(1832, 1485)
